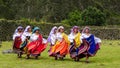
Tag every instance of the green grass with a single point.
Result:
(107, 57)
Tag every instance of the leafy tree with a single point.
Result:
(5, 11)
(55, 11)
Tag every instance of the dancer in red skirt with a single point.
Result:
(37, 44)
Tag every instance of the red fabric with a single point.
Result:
(17, 42)
(36, 47)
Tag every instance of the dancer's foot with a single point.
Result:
(74, 59)
(56, 57)
(87, 61)
(36, 57)
(77, 59)
(61, 58)
(19, 55)
(27, 57)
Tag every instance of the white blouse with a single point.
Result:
(53, 39)
(34, 37)
(59, 36)
(97, 40)
(44, 40)
(25, 34)
(72, 36)
(16, 35)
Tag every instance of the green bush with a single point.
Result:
(93, 16)
(74, 18)
(90, 16)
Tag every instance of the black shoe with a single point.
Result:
(56, 58)
(36, 57)
(61, 58)
(77, 59)
(19, 55)
(74, 59)
(27, 57)
(87, 62)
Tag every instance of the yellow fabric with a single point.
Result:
(54, 47)
(77, 39)
(25, 50)
(66, 38)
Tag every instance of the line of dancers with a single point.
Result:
(77, 44)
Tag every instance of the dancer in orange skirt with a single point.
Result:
(60, 49)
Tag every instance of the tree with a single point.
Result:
(5, 11)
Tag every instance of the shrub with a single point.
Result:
(93, 16)
(90, 16)
(74, 18)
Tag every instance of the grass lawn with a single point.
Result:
(107, 57)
